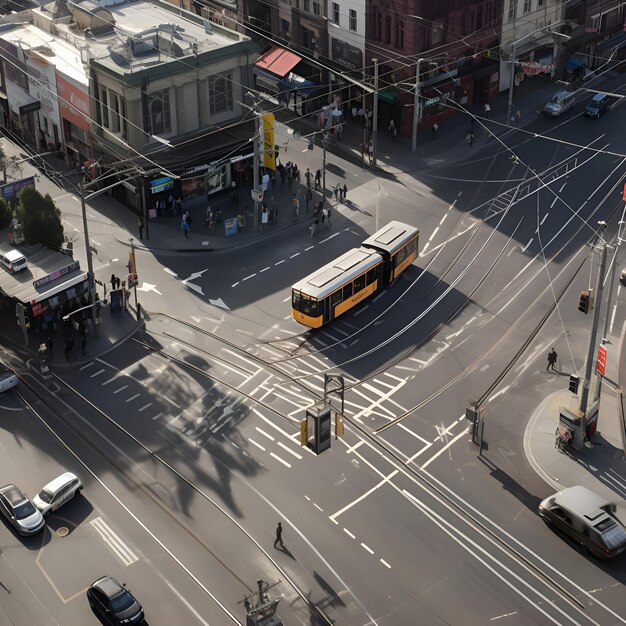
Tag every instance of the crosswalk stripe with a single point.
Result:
(123, 552)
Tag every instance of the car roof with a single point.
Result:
(599, 96)
(13, 255)
(581, 501)
(60, 481)
(109, 586)
(13, 494)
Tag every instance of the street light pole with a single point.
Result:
(324, 136)
(255, 175)
(375, 115)
(90, 275)
(509, 108)
(417, 107)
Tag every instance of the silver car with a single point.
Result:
(19, 511)
(57, 492)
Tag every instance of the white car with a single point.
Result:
(57, 492)
(8, 378)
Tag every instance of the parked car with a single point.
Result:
(20, 511)
(113, 602)
(559, 103)
(587, 518)
(57, 492)
(8, 378)
(599, 104)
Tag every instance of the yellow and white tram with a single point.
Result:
(355, 275)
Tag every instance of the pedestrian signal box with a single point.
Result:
(584, 302)
(574, 381)
(315, 430)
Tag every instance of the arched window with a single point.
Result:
(159, 112)
(400, 34)
(388, 29)
(379, 26)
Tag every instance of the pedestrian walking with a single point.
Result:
(308, 175)
(296, 205)
(317, 215)
(318, 179)
(393, 131)
(264, 216)
(434, 128)
(113, 281)
(328, 212)
(336, 191)
(140, 227)
(118, 281)
(185, 227)
(487, 110)
(518, 116)
(469, 138)
(313, 227)
(344, 192)
(552, 357)
(83, 344)
(279, 535)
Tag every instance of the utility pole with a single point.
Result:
(509, 108)
(584, 397)
(324, 137)
(255, 164)
(90, 276)
(417, 105)
(375, 115)
(132, 271)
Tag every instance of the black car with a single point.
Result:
(113, 602)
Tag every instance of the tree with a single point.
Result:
(9, 164)
(40, 218)
(6, 213)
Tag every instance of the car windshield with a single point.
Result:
(45, 496)
(24, 510)
(122, 602)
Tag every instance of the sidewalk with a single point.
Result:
(601, 464)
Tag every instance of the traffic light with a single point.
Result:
(574, 381)
(583, 302)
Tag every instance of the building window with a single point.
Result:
(104, 107)
(307, 5)
(400, 34)
(387, 29)
(316, 8)
(512, 9)
(220, 93)
(335, 13)
(539, 3)
(526, 6)
(159, 112)
(379, 26)
(436, 33)
(115, 112)
(463, 23)
(479, 17)
(352, 20)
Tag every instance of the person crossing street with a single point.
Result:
(552, 357)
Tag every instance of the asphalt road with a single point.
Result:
(193, 427)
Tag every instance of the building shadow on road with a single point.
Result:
(528, 499)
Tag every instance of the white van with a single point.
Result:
(559, 103)
(13, 260)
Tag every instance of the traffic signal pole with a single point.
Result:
(584, 397)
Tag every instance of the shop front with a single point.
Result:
(74, 109)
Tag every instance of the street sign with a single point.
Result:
(601, 362)
(624, 192)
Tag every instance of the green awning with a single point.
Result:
(388, 95)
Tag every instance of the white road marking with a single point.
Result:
(275, 456)
(248, 277)
(106, 382)
(265, 434)
(133, 397)
(149, 287)
(434, 233)
(365, 547)
(121, 550)
(121, 389)
(264, 270)
(156, 417)
(443, 219)
(97, 373)
(329, 238)
(144, 407)
(493, 619)
(528, 244)
(84, 367)
(309, 248)
(171, 272)
(185, 602)
(258, 445)
(279, 262)
(287, 449)
(385, 563)
(317, 506)
(172, 402)
(235, 284)
(362, 497)
(345, 530)
(444, 448)
(293, 256)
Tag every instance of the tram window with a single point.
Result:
(412, 247)
(309, 307)
(371, 276)
(295, 300)
(359, 283)
(335, 298)
(347, 292)
(401, 255)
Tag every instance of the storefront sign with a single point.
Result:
(38, 309)
(11, 191)
(601, 362)
(73, 102)
(536, 68)
(430, 101)
(216, 179)
(345, 54)
(56, 274)
(193, 187)
(230, 226)
(159, 185)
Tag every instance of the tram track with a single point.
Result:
(97, 449)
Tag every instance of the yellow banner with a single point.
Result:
(269, 157)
